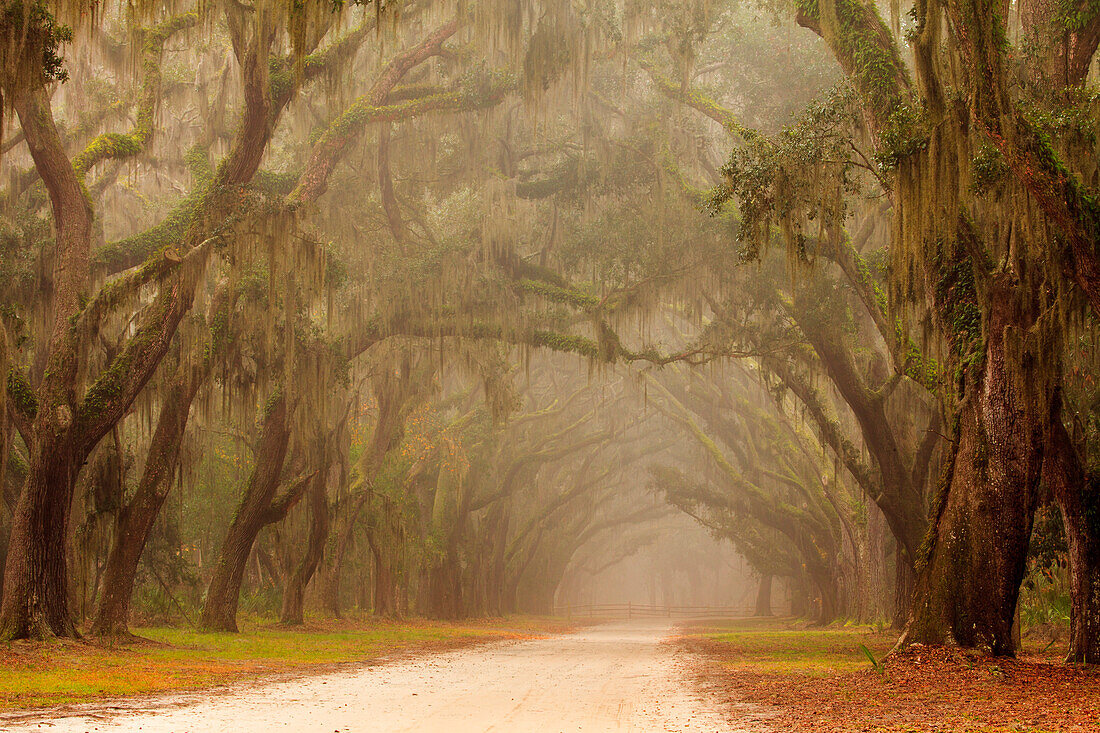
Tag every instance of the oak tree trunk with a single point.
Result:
(966, 590)
(294, 595)
(35, 601)
(343, 544)
(384, 602)
(219, 612)
(764, 596)
(136, 519)
(904, 580)
(1078, 497)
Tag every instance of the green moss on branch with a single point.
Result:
(118, 146)
(21, 394)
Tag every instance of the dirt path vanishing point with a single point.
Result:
(606, 678)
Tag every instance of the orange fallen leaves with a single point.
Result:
(923, 689)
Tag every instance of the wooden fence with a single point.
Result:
(613, 611)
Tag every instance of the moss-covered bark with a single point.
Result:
(969, 576)
(35, 601)
(260, 505)
(981, 261)
(119, 146)
(1077, 493)
(135, 520)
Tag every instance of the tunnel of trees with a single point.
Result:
(423, 308)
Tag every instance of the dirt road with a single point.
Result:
(606, 678)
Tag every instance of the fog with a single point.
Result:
(462, 310)
(677, 567)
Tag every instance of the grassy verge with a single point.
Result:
(61, 672)
(771, 646)
(779, 675)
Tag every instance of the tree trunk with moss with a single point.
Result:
(1023, 237)
(258, 508)
(764, 597)
(63, 426)
(497, 529)
(900, 500)
(829, 601)
(1078, 495)
(384, 596)
(35, 601)
(135, 521)
(968, 583)
(444, 593)
(903, 590)
(395, 392)
(35, 576)
(335, 569)
(295, 592)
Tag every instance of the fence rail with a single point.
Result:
(643, 610)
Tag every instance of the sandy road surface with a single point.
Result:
(605, 678)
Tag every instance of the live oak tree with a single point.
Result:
(990, 251)
(312, 305)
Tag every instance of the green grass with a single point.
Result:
(302, 646)
(51, 673)
(777, 646)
